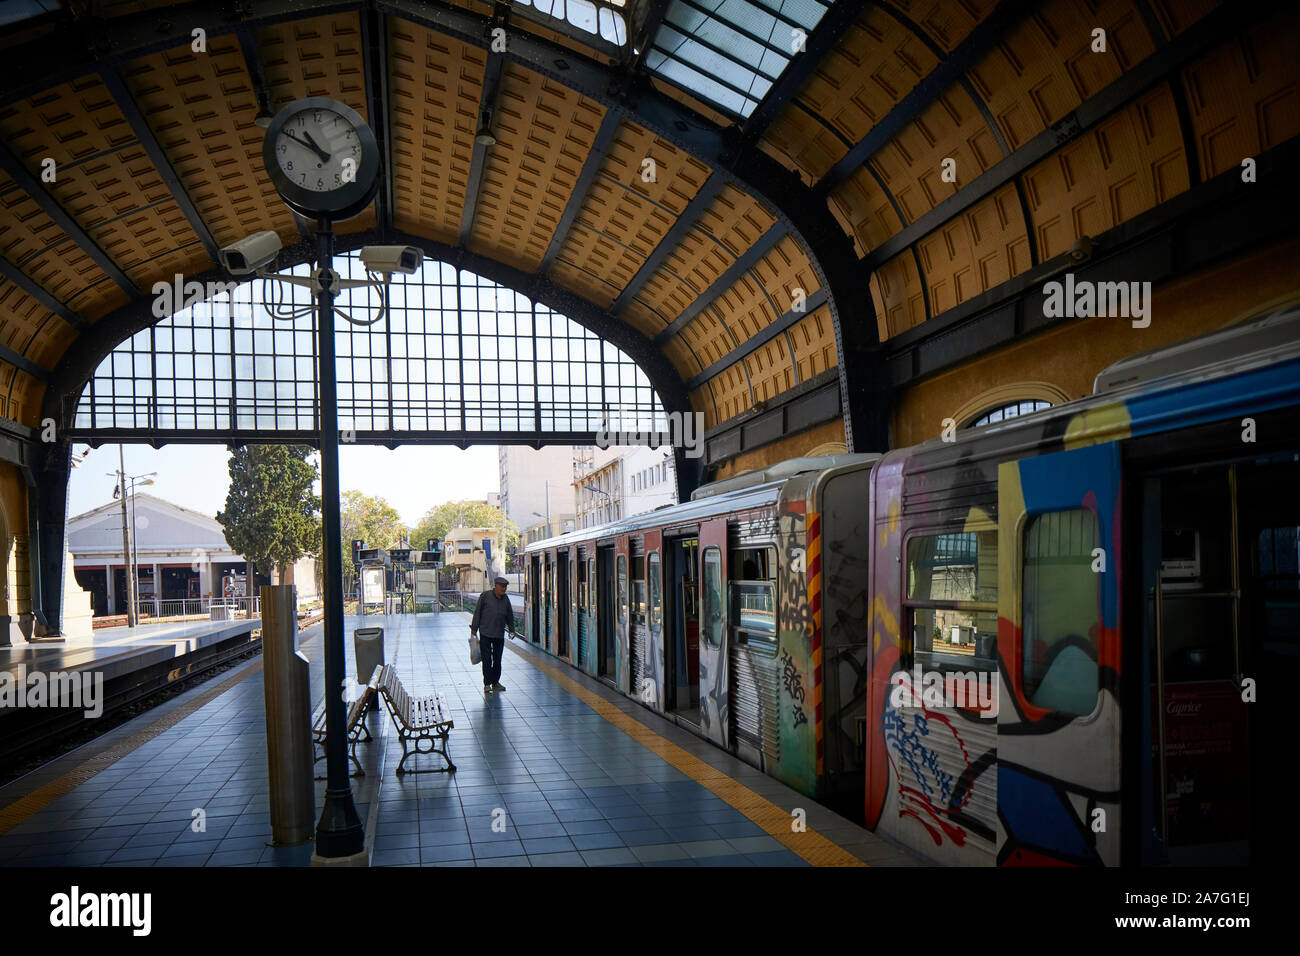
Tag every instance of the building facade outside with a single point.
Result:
(182, 559)
(623, 481)
(536, 483)
(463, 549)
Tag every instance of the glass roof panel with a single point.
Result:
(705, 87)
(600, 17)
(730, 52)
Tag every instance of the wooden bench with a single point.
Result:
(417, 719)
(357, 730)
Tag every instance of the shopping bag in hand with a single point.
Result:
(475, 652)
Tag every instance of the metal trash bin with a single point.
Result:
(368, 648)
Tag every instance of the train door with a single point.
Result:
(593, 590)
(581, 627)
(1220, 563)
(1269, 634)
(564, 604)
(606, 658)
(638, 624)
(1058, 743)
(652, 687)
(622, 612)
(715, 711)
(535, 599)
(573, 610)
(683, 639)
(548, 578)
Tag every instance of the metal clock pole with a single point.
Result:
(339, 832)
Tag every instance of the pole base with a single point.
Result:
(339, 833)
(356, 859)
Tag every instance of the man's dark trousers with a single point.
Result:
(491, 649)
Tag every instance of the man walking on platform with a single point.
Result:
(493, 616)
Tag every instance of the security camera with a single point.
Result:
(251, 253)
(390, 259)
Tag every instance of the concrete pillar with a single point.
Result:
(157, 589)
(110, 589)
(78, 608)
(205, 578)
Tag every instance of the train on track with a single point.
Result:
(1055, 640)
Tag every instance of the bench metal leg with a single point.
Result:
(352, 755)
(416, 750)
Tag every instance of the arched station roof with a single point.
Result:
(802, 221)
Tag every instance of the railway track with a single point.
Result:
(30, 737)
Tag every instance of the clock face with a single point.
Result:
(318, 150)
(322, 158)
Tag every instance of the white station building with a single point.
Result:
(181, 555)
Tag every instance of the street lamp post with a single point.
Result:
(126, 487)
(135, 544)
(128, 567)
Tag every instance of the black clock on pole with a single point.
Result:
(324, 162)
(322, 158)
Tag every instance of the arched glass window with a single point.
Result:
(1011, 410)
(452, 352)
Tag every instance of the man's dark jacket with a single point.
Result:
(493, 615)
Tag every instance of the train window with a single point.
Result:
(638, 591)
(1061, 610)
(622, 588)
(714, 612)
(952, 593)
(656, 592)
(752, 564)
(753, 595)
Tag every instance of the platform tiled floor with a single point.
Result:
(542, 780)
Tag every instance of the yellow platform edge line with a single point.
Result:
(810, 845)
(40, 798)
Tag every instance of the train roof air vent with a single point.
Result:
(1253, 342)
(778, 472)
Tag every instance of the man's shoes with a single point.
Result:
(487, 688)
(498, 687)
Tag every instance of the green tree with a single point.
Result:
(437, 521)
(272, 517)
(373, 520)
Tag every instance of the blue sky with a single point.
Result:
(412, 478)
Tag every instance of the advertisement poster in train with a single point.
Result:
(1206, 762)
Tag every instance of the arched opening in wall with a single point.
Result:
(452, 358)
(1003, 412)
(1010, 400)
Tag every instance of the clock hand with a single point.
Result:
(324, 156)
